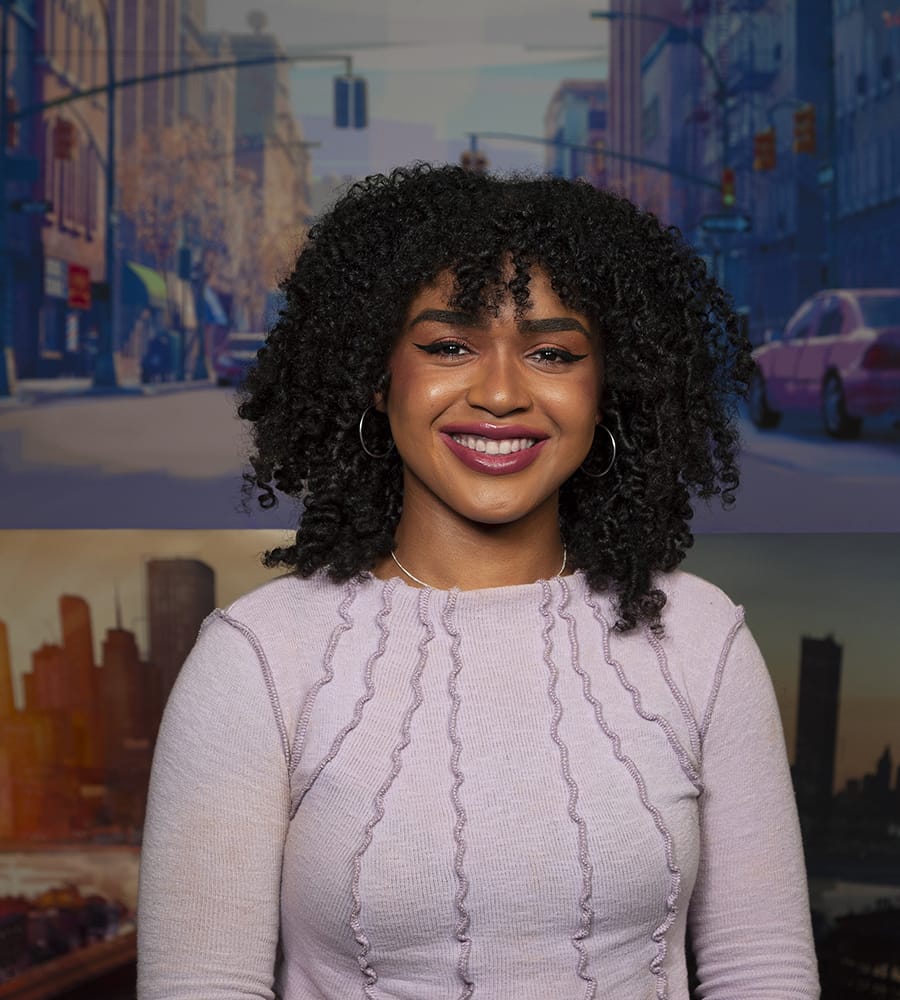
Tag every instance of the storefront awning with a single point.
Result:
(144, 286)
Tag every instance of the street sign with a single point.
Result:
(726, 223)
(29, 206)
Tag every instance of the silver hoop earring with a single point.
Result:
(609, 464)
(362, 440)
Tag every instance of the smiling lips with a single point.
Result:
(495, 449)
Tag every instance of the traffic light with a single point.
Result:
(64, 137)
(350, 102)
(727, 188)
(12, 126)
(805, 129)
(474, 161)
(764, 150)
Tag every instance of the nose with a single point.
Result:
(499, 384)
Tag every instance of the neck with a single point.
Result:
(473, 556)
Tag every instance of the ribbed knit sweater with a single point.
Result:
(371, 790)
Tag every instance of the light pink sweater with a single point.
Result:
(371, 790)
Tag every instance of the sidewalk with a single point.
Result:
(39, 391)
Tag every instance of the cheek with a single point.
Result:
(415, 396)
(578, 407)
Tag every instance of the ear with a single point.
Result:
(379, 402)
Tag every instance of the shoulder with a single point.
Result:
(696, 607)
(704, 633)
(285, 603)
(289, 619)
(282, 629)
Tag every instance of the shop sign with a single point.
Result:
(56, 278)
(79, 287)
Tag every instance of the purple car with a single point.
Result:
(839, 356)
(237, 355)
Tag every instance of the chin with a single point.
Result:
(495, 515)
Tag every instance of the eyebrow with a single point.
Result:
(554, 324)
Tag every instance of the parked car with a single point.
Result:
(839, 355)
(237, 355)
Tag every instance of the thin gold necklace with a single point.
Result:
(422, 583)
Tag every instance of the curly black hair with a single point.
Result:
(675, 363)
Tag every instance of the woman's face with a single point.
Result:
(491, 416)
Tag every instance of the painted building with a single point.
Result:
(671, 77)
(20, 239)
(818, 699)
(867, 164)
(577, 117)
(180, 594)
(71, 147)
(757, 63)
(270, 148)
(630, 39)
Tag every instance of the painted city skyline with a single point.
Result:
(791, 586)
(77, 744)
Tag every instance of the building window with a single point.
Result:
(842, 184)
(887, 72)
(895, 141)
(886, 165)
(873, 173)
(66, 56)
(650, 121)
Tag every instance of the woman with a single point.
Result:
(484, 740)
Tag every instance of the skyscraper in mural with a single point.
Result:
(817, 719)
(180, 594)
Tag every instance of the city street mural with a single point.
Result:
(94, 626)
(154, 199)
(161, 162)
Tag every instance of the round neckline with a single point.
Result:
(505, 589)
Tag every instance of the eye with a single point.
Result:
(556, 356)
(445, 348)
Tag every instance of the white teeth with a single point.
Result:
(489, 446)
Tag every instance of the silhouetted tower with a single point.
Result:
(877, 786)
(129, 728)
(7, 702)
(78, 644)
(817, 718)
(883, 772)
(81, 681)
(180, 594)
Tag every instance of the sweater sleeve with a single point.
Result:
(217, 817)
(749, 913)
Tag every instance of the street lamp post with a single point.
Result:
(105, 376)
(6, 364)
